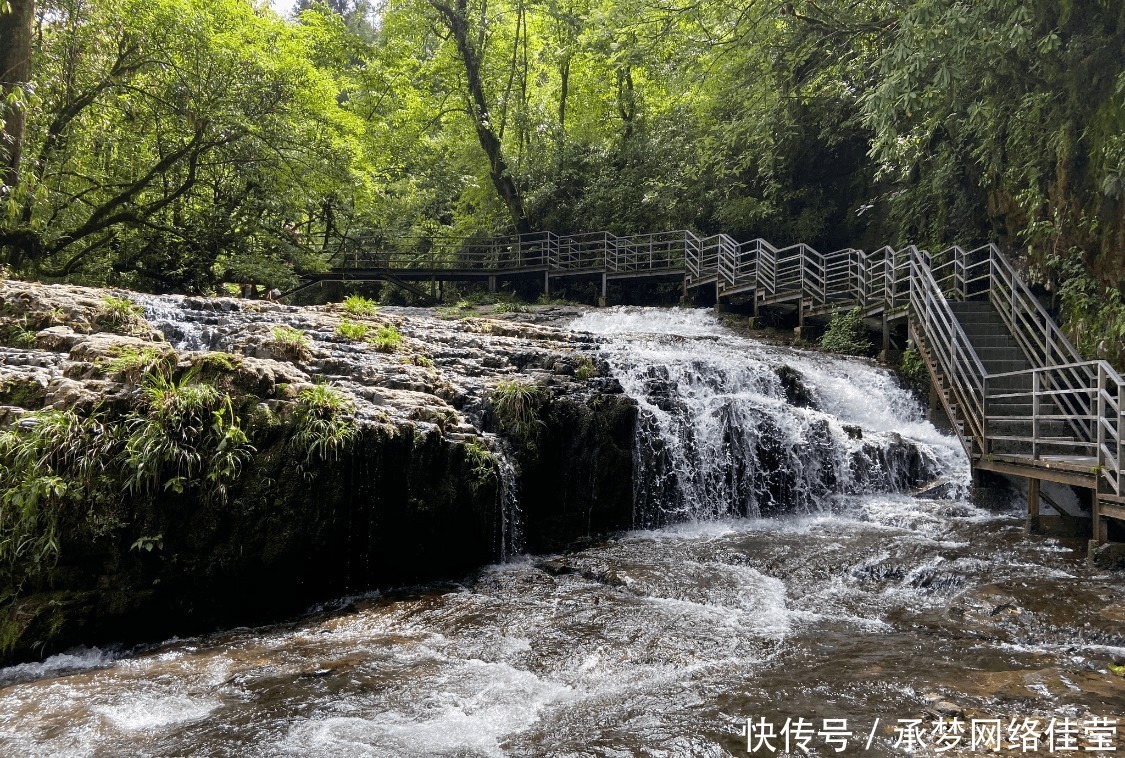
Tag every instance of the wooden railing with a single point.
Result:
(1089, 396)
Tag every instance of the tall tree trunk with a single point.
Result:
(456, 19)
(15, 71)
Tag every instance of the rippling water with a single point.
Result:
(870, 605)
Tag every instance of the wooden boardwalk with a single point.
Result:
(1020, 397)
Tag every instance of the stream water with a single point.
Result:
(793, 575)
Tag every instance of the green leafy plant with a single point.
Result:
(53, 461)
(912, 367)
(148, 543)
(351, 330)
(387, 339)
(187, 438)
(324, 425)
(516, 406)
(19, 334)
(846, 334)
(483, 463)
(360, 306)
(291, 343)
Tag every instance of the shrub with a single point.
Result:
(351, 330)
(387, 339)
(846, 334)
(913, 368)
(291, 343)
(516, 405)
(325, 424)
(360, 306)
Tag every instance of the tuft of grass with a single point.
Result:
(417, 359)
(293, 344)
(516, 406)
(587, 369)
(120, 314)
(351, 331)
(360, 306)
(846, 334)
(325, 425)
(131, 363)
(387, 339)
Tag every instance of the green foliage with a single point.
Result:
(187, 438)
(913, 368)
(846, 334)
(352, 331)
(483, 463)
(120, 314)
(148, 543)
(587, 369)
(131, 363)
(324, 424)
(291, 343)
(387, 339)
(360, 306)
(516, 405)
(52, 479)
(1095, 319)
(18, 334)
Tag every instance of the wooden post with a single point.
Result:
(547, 283)
(886, 336)
(492, 283)
(1033, 498)
(601, 300)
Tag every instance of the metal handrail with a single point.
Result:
(1089, 395)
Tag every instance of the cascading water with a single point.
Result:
(731, 427)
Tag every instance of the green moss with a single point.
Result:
(22, 391)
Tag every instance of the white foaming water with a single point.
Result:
(720, 435)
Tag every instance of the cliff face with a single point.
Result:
(170, 465)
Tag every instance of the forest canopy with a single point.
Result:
(174, 144)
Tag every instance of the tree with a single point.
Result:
(16, 20)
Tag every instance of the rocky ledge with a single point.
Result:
(173, 464)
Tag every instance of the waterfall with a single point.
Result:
(733, 427)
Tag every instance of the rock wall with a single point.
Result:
(420, 493)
